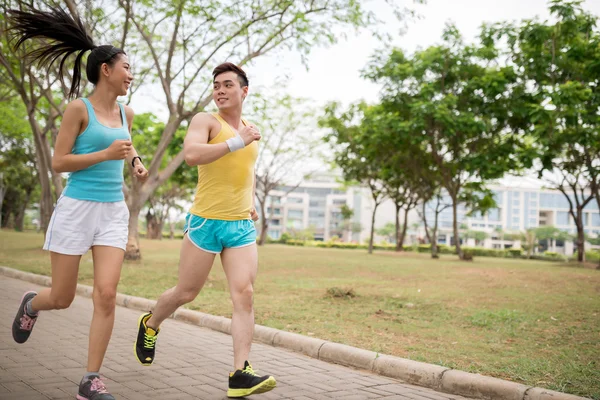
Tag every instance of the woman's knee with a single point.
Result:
(105, 297)
(61, 301)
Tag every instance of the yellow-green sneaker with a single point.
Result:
(245, 382)
(145, 344)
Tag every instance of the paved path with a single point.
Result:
(192, 362)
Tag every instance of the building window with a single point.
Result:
(494, 215)
(515, 220)
(295, 200)
(295, 214)
(532, 212)
(532, 221)
(273, 234)
(562, 218)
(595, 219)
(274, 211)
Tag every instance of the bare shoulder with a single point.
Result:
(77, 106)
(128, 112)
(206, 121)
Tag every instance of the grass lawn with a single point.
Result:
(532, 322)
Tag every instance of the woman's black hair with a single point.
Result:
(67, 35)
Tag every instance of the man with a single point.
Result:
(223, 146)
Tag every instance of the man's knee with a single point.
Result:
(242, 297)
(186, 295)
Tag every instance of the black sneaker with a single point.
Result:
(23, 322)
(145, 344)
(92, 388)
(245, 382)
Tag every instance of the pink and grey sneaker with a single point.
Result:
(92, 388)
(23, 322)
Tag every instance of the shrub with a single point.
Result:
(341, 293)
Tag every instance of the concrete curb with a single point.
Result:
(413, 372)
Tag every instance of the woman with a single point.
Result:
(93, 143)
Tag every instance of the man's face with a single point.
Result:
(227, 91)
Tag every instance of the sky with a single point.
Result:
(333, 73)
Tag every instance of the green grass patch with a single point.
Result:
(528, 321)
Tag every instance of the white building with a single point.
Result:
(522, 204)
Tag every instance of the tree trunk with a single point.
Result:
(580, 236)
(264, 223)
(434, 244)
(153, 227)
(455, 228)
(46, 200)
(397, 233)
(138, 196)
(20, 216)
(132, 250)
(400, 243)
(372, 229)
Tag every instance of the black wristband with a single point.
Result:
(133, 161)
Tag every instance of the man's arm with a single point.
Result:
(196, 149)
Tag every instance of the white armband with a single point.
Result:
(235, 143)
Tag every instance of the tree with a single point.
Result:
(20, 182)
(195, 38)
(388, 231)
(288, 146)
(530, 241)
(353, 155)
(460, 109)
(42, 93)
(433, 202)
(347, 213)
(146, 134)
(558, 59)
(479, 236)
(500, 233)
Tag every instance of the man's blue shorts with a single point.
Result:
(213, 235)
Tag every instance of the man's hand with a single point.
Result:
(249, 134)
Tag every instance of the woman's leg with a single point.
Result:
(107, 271)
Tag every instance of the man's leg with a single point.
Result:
(194, 267)
(241, 266)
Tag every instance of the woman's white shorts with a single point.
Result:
(77, 225)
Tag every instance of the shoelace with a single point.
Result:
(149, 341)
(27, 322)
(248, 370)
(98, 386)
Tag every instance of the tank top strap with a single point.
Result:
(220, 119)
(90, 109)
(123, 116)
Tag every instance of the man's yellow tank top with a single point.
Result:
(224, 188)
